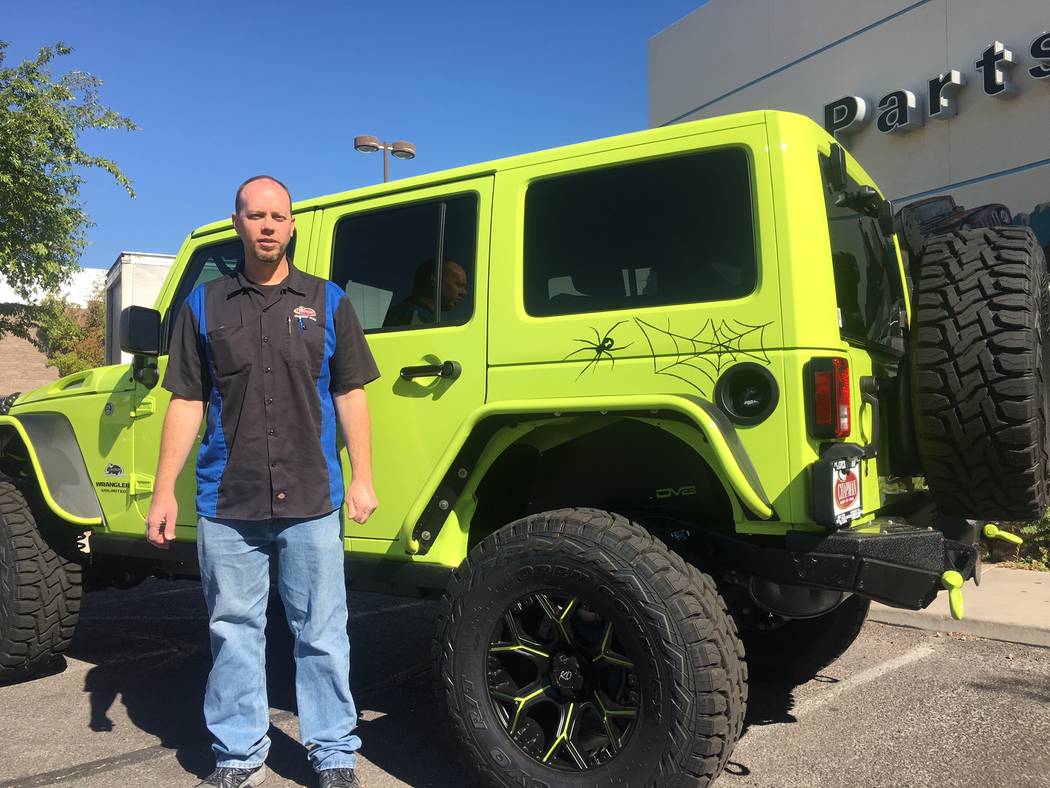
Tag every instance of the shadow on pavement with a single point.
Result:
(151, 654)
(769, 703)
(1015, 685)
(150, 650)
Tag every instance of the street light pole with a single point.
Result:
(401, 149)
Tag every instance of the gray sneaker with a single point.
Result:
(230, 777)
(338, 778)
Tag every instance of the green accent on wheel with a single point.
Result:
(522, 703)
(607, 714)
(520, 648)
(604, 654)
(557, 617)
(563, 734)
(612, 711)
(565, 694)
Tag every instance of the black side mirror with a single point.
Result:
(836, 169)
(140, 335)
(140, 331)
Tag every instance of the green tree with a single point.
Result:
(74, 339)
(42, 222)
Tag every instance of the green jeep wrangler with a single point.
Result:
(655, 410)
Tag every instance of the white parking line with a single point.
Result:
(354, 616)
(809, 705)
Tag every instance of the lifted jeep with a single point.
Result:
(654, 408)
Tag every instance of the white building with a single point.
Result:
(135, 278)
(933, 97)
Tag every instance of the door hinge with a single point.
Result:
(146, 407)
(140, 483)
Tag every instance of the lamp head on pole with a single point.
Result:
(366, 143)
(403, 149)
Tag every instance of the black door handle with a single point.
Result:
(449, 370)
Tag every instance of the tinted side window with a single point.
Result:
(387, 261)
(652, 233)
(867, 283)
(207, 263)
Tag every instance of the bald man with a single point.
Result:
(279, 357)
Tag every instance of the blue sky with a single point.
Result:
(223, 91)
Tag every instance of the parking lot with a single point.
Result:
(902, 707)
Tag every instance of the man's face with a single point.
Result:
(264, 221)
(453, 285)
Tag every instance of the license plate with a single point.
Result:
(846, 503)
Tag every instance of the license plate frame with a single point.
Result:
(846, 493)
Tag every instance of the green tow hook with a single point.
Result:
(953, 581)
(992, 531)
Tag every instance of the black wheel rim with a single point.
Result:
(561, 683)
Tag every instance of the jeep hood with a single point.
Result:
(91, 381)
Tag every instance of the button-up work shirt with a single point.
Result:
(267, 361)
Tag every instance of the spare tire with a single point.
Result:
(979, 357)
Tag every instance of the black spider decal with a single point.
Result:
(601, 347)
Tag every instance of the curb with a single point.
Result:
(992, 630)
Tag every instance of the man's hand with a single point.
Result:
(181, 423)
(360, 501)
(352, 408)
(160, 523)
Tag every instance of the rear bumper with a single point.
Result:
(900, 565)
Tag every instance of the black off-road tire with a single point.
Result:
(691, 670)
(39, 593)
(980, 372)
(800, 649)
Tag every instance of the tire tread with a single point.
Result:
(40, 592)
(979, 387)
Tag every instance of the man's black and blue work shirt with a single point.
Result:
(267, 360)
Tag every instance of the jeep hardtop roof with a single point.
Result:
(659, 134)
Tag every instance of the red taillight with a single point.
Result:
(823, 399)
(842, 425)
(829, 398)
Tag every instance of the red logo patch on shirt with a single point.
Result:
(302, 312)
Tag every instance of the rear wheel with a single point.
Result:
(574, 649)
(39, 593)
(797, 650)
(980, 370)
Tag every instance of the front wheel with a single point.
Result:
(39, 593)
(574, 649)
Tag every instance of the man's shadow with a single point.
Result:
(150, 649)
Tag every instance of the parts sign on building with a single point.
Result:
(902, 110)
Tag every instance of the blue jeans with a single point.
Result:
(235, 559)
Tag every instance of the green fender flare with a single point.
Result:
(55, 459)
(734, 462)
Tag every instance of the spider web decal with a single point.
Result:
(706, 353)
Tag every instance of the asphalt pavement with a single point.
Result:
(902, 707)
